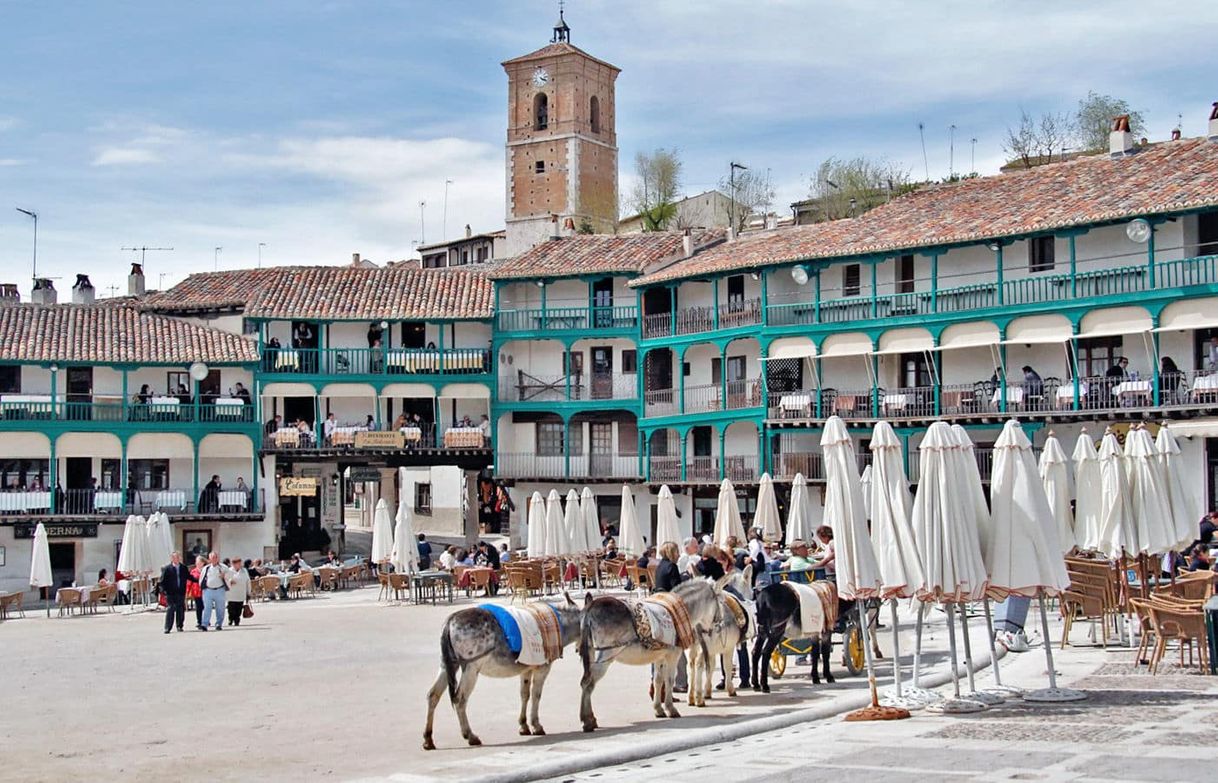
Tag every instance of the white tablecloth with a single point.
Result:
(233, 497)
(463, 437)
(411, 434)
(796, 403)
(1131, 388)
(171, 498)
(25, 501)
(107, 500)
(896, 402)
(1206, 383)
(230, 406)
(286, 359)
(1066, 390)
(1014, 396)
(165, 405)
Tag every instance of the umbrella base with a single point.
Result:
(877, 713)
(1054, 695)
(956, 707)
(1006, 691)
(988, 698)
(901, 702)
(910, 693)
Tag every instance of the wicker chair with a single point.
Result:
(1182, 624)
(11, 603)
(524, 582)
(69, 598)
(399, 584)
(268, 586)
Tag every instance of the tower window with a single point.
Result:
(594, 114)
(541, 111)
(540, 167)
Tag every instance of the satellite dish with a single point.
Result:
(198, 371)
(1138, 231)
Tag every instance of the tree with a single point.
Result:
(1035, 142)
(752, 192)
(659, 181)
(1094, 120)
(847, 188)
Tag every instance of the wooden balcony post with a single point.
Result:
(1150, 257)
(194, 498)
(875, 301)
(1070, 240)
(715, 305)
(934, 282)
(680, 371)
(765, 300)
(53, 477)
(566, 446)
(816, 278)
(672, 310)
(722, 453)
(683, 471)
(1154, 364)
(122, 470)
(123, 405)
(1001, 294)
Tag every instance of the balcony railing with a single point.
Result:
(555, 466)
(702, 469)
(120, 503)
(358, 437)
(786, 464)
(376, 361)
(155, 411)
(665, 468)
(704, 398)
(566, 319)
(695, 320)
(523, 387)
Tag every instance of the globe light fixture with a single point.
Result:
(1138, 231)
(198, 371)
(800, 275)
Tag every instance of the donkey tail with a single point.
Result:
(585, 636)
(448, 657)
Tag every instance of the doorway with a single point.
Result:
(80, 393)
(78, 474)
(602, 372)
(602, 303)
(63, 564)
(601, 451)
(299, 409)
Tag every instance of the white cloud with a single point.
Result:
(7, 123)
(10, 162)
(124, 156)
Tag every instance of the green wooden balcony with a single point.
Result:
(25, 411)
(568, 319)
(375, 361)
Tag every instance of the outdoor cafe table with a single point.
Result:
(1205, 387)
(25, 501)
(1129, 392)
(18, 405)
(796, 404)
(466, 578)
(345, 436)
(230, 407)
(1065, 393)
(1014, 396)
(287, 360)
(463, 438)
(287, 437)
(895, 402)
(411, 434)
(165, 406)
(107, 500)
(233, 498)
(428, 584)
(171, 498)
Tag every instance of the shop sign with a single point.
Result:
(58, 530)
(297, 486)
(380, 440)
(364, 473)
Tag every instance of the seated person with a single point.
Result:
(1201, 560)
(826, 558)
(102, 581)
(710, 565)
(448, 558)
(610, 549)
(799, 560)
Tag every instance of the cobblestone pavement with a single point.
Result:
(1132, 727)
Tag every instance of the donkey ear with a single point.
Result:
(567, 596)
(587, 600)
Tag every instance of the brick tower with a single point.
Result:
(561, 142)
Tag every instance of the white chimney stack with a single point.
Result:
(554, 227)
(135, 281)
(355, 259)
(687, 243)
(468, 231)
(731, 233)
(1213, 131)
(44, 292)
(1120, 140)
(82, 291)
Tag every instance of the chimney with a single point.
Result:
(687, 243)
(355, 259)
(468, 232)
(1120, 140)
(1175, 134)
(568, 227)
(135, 281)
(731, 233)
(1213, 131)
(9, 293)
(44, 292)
(82, 291)
(554, 227)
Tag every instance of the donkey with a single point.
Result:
(720, 641)
(473, 642)
(778, 617)
(608, 633)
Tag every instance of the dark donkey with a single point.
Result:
(778, 618)
(473, 642)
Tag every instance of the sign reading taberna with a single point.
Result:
(58, 530)
(297, 486)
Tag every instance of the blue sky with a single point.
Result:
(317, 127)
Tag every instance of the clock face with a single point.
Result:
(541, 77)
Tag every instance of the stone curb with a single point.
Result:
(697, 738)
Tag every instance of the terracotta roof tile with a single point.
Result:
(110, 334)
(556, 50)
(1166, 178)
(585, 254)
(225, 290)
(397, 292)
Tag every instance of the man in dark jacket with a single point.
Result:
(173, 585)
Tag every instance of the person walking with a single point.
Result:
(238, 591)
(194, 592)
(175, 578)
(214, 579)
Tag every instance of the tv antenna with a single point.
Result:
(144, 251)
(925, 163)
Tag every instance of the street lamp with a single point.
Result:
(33, 215)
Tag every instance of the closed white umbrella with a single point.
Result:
(629, 536)
(1088, 494)
(766, 517)
(132, 555)
(1025, 556)
(727, 516)
(1185, 505)
(799, 514)
(573, 522)
(536, 546)
(1148, 494)
(556, 535)
(970, 475)
(40, 564)
(866, 480)
(1118, 534)
(891, 511)
(167, 532)
(1055, 478)
(592, 519)
(159, 543)
(858, 573)
(382, 533)
(405, 555)
(667, 527)
(945, 529)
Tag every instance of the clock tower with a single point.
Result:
(561, 142)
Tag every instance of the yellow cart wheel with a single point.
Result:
(778, 663)
(856, 654)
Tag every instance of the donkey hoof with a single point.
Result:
(473, 740)
(673, 713)
(829, 679)
(524, 731)
(589, 727)
(659, 712)
(428, 744)
(538, 731)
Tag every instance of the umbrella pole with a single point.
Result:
(987, 699)
(1052, 693)
(956, 704)
(1005, 690)
(913, 697)
(896, 649)
(875, 711)
(917, 662)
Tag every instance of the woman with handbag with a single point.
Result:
(238, 591)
